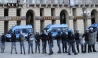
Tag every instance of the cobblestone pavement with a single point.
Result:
(37, 55)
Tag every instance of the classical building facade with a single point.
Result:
(40, 13)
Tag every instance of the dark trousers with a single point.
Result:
(89, 48)
(2, 47)
(22, 46)
(44, 44)
(50, 47)
(30, 44)
(64, 46)
(59, 46)
(13, 46)
(37, 46)
(85, 46)
(77, 45)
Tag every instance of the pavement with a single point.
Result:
(37, 55)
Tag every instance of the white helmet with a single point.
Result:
(87, 29)
(77, 29)
(2, 33)
(91, 28)
(37, 31)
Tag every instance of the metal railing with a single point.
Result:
(77, 2)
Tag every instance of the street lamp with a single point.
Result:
(85, 17)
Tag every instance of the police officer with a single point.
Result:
(30, 42)
(86, 35)
(77, 39)
(64, 41)
(13, 42)
(37, 42)
(58, 37)
(3, 39)
(21, 40)
(44, 40)
(91, 42)
(71, 42)
(50, 42)
(95, 36)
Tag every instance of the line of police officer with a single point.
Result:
(68, 39)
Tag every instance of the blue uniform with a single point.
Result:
(58, 37)
(3, 43)
(64, 42)
(50, 43)
(37, 43)
(44, 41)
(71, 43)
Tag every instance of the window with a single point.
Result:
(24, 31)
(17, 31)
(52, 11)
(54, 29)
(5, 12)
(30, 30)
(18, 12)
(41, 11)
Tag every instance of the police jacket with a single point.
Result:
(58, 36)
(76, 36)
(86, 35)
(13, 38)
(37, 38)
(64, 36)
(3, 39)
(97, 36)
(43, 37)
(49, 37)
(70, 36)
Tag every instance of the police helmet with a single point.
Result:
(69, 30)
(91, 28)
(87, 29)
(37, 31)
(2, 33)
(77, 29)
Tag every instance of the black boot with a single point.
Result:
(75, 53)
(93, 46)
